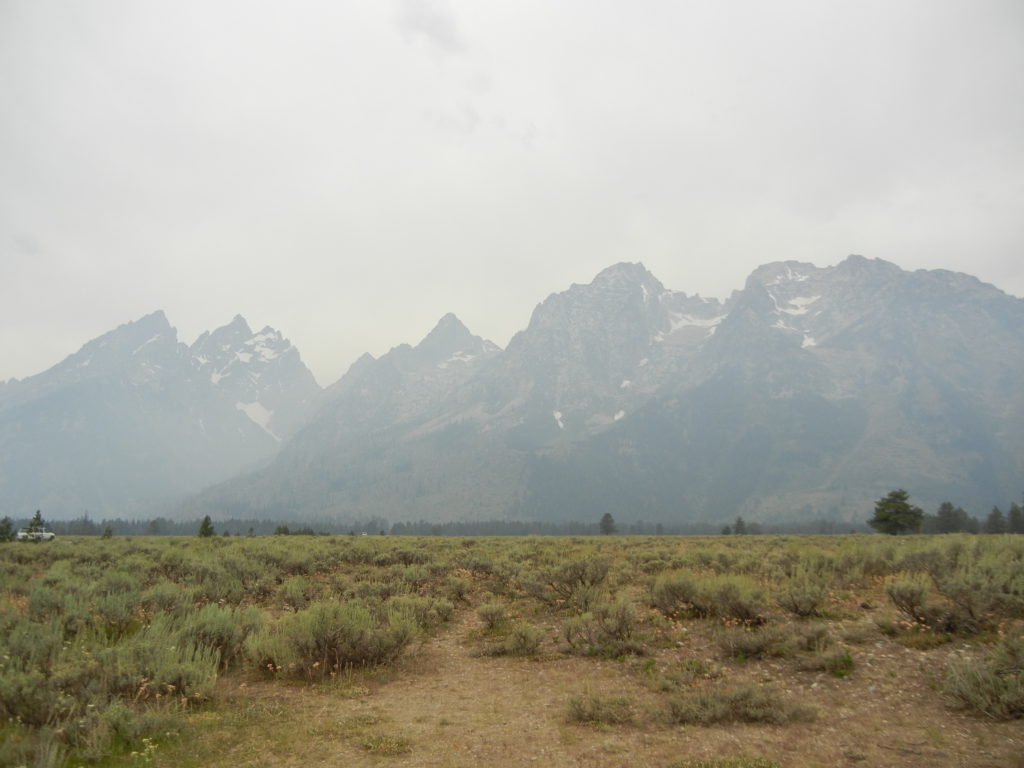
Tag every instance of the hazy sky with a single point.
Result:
(348, 172)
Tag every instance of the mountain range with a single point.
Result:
(807, 394)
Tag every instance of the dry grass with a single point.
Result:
(444, 704)
(743, 687)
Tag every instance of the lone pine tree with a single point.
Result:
(894, 514)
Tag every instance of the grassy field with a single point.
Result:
(740, 651)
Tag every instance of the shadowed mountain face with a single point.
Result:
(809, 393)
(135, 419)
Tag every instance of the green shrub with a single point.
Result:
(168, 597)
(222, 629)
(523, 640)
(386, 744)
(221, 588)
(118, 612)
(427, 612)
(607, 630)
(35, 645)
(39, 749)
(575, 584)
(380, 590)
(909, 597)
(675, 594)
(601, 710)
(492, 615)
(743, 704)
(154, 663)
(44, 602)
(677, 676)
(744, 643)
(296, 592)
(837, 663)
(459, 588)
(802, 597)
(813, 638)
(29, 695)
(993, 686)
(329, 637)
(986, 587)
(736, 597)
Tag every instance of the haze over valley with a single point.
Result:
(805, 395)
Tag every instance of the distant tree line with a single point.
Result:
(162, 526)
(947, 519)
(894, 514)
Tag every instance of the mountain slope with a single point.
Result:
(132, 421)
(809, 393)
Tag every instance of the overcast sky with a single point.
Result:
(348, 172)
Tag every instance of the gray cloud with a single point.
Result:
(308, 167)
(431, 20)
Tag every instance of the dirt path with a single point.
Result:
(443, 705)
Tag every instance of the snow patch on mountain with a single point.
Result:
(260, 415)
(145, 344)
(800, 305)
(789, 276)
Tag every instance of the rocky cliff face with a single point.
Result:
(261, 373)
(135, 419)
(809, 393)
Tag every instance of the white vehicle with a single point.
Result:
(30, 534)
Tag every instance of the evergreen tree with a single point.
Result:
(6, 529)
(946, 518)
(727, 530)
(37, 523)
(951, 519)
(206, 527)
(894, 514)
(1015, 520)
(996, 521)
(739, 527)
(607, 524)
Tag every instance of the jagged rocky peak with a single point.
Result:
(864, 270)
(448, 333)
(627, 275)
(145, 341)
(451, 337)
(783, 273)
(450, 342)
(623, 290)
(236, 343)
(213, 344)
(146, 329)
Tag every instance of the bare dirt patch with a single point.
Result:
(446, 704)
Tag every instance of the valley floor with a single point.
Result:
(590, 652)
(445, 705)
